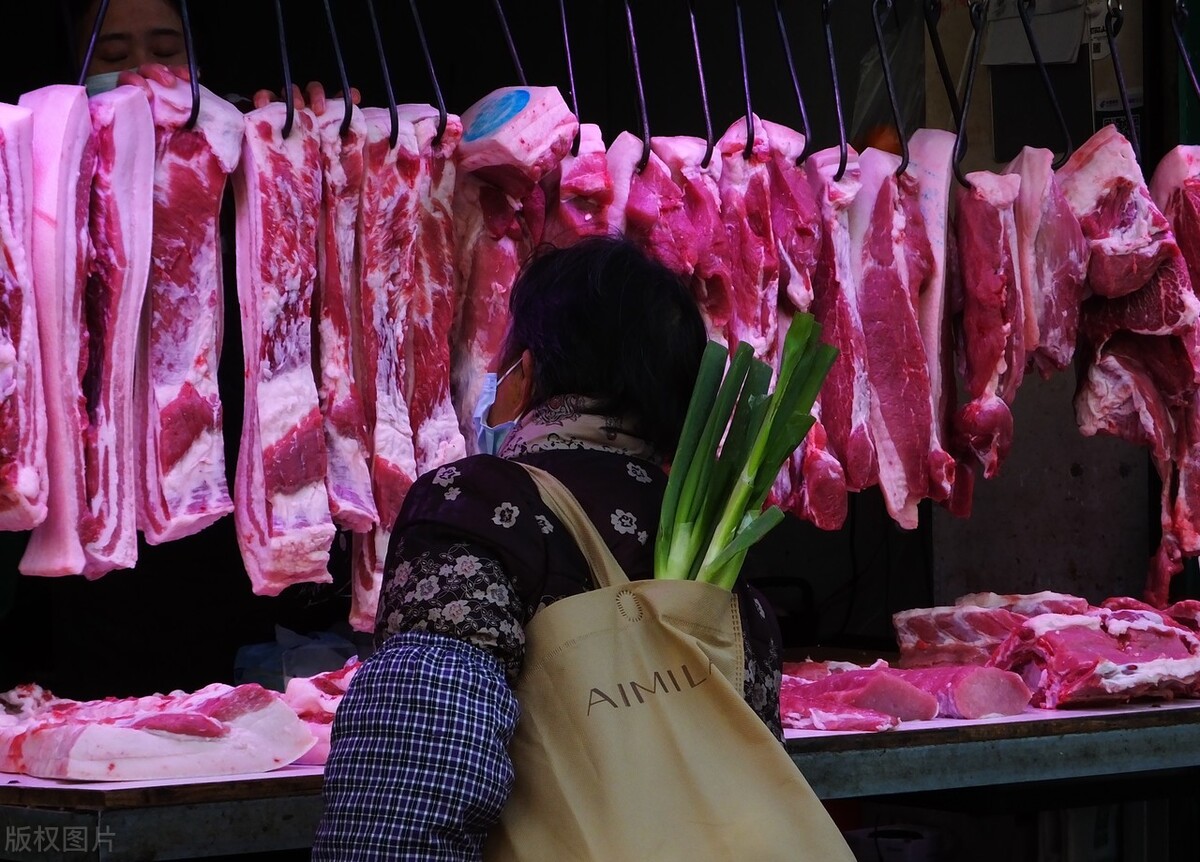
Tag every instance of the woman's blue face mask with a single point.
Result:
(489, 438)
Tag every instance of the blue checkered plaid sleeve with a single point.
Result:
(418, 767)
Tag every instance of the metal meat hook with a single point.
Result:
(348, 103)
(641, 93)
(566, 34)
(708, 126)
(97, 26)
(290, 106)
(1178, 20)
(193, 72)
(433, 78)
(933, 13)
(978, 10)
(1113, 20)
(741, 35)
(889, 82)
(1025, 9)
(806, 128)
(826, 8)
(387, 76)
(512, 46)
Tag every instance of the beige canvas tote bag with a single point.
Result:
(635, 743)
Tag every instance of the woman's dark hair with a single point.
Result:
(603, 320)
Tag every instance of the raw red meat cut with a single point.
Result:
(801, 710)
(122, 207)
(437, 439)
(581, 192)
(655, 215)
(969, 691)
(993, 326)
(315, 699)
(892, 259)
(878, 690)
(63, 162)
(707, 243)
(23, 481)
(956, 634)
(386, 239)
(931, 152)
(1027, 604)
(844, 408)
(1053, 256)
(1130, 240)
(1087, 659)
(1186, 612)
(512, 138)
(218, 730)
(348, 478)
(182, 450)
(281, 505)
(745, 190)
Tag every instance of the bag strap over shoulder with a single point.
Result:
(606, 571)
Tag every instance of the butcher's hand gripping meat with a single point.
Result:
(348, 479)
(23, 481)
(183, 486)
(281, 505)
(121, 211)
(63, 159)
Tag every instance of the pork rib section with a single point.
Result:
(281, 505)
(218, 730)
(122, 207)
(348, 478)
(183, 485)
(63, 163)
(23, 481)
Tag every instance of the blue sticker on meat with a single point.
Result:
(494, 114)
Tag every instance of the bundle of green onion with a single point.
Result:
(713, 508)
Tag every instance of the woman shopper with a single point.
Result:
(596, 373)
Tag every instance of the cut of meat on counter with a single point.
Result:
(23, 481)
(281, 506)
(315, 700)
(843, 696)
(121, 213)
(182, 476)
(218, 730)
(1101, 657)
(64, 160)
(952, 634)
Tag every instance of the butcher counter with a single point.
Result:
(46, 820)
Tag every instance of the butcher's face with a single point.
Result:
(135, 32)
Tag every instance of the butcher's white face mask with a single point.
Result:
(101, 83)
(489, 438)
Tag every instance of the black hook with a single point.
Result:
(741, 35)
(978, 10)
(826, 9)
(1024, 7)
(708, 127)
(791, 64)
(886, 65)
(933, 13)
(641, 95)
(512, 46)
(1178, 20)
(387, 76)
(91, 48)
(287, 73)
(1113, 19)
(562, 14)
(433, 78)
(348, 115)
(193, 71)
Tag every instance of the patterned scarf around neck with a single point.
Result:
(568, 422)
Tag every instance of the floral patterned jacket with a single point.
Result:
(476, 553)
